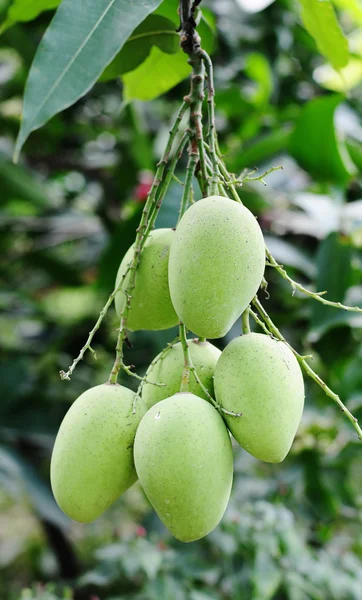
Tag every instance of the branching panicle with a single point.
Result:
(206, 165)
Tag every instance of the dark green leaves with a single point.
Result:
(315, 145)
(320, 21)
(81, 40)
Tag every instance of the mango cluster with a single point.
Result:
(204, 274)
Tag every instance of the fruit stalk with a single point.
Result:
(225, 178)
(149, 214)
(166, 183)
(190, 171)
(305, 366)
(185, 380)
(152, 365)
(245, 325)
(212, 135)
(297, 286)
(190, 368)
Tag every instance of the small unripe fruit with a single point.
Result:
(184, 462)
(261, 378)
(151, 306)
(168, 370)
(216, 265)
(92, 462)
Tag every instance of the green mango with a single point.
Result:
(184, 462)
(261, 378)
(92, 461)
(151, 306)
(168, 370)
(216, 265)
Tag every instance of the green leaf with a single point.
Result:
(169, 9)
(82, 39)
(159, 73)
(353, 7)
(314, 143)
(336, 276)
(354, 148)
(26, 10)
(154, 31)
(258, 69)
(321, 23)
(68, 306)
(18, 183)
(340, 81)
(205, 20)
(264, 148)
(267, 575)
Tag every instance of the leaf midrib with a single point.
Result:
(151, 33)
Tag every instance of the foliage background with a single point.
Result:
(68, 213)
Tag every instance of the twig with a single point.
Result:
(191, 45)
(148, 218)
(167, 180)
(185, 379)
(247, 176)
(305, 366)
(190, 171)
(227, 177)
(87, 346)
(211, 120)
(297, 286)
(159, 357)
(189, 368)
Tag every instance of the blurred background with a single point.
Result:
(68, 213)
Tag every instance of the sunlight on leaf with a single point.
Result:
(321, 23)
(159, 73)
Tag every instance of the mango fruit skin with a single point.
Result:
(92, 461)
(151, 306)
(169, 369)
(217, 262)
(260, 377)
(184, 462)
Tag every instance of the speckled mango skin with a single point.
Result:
(169, 370)
(151, 306)
(184, 462)
(92, 462)
(261, 378)
(216, 265)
